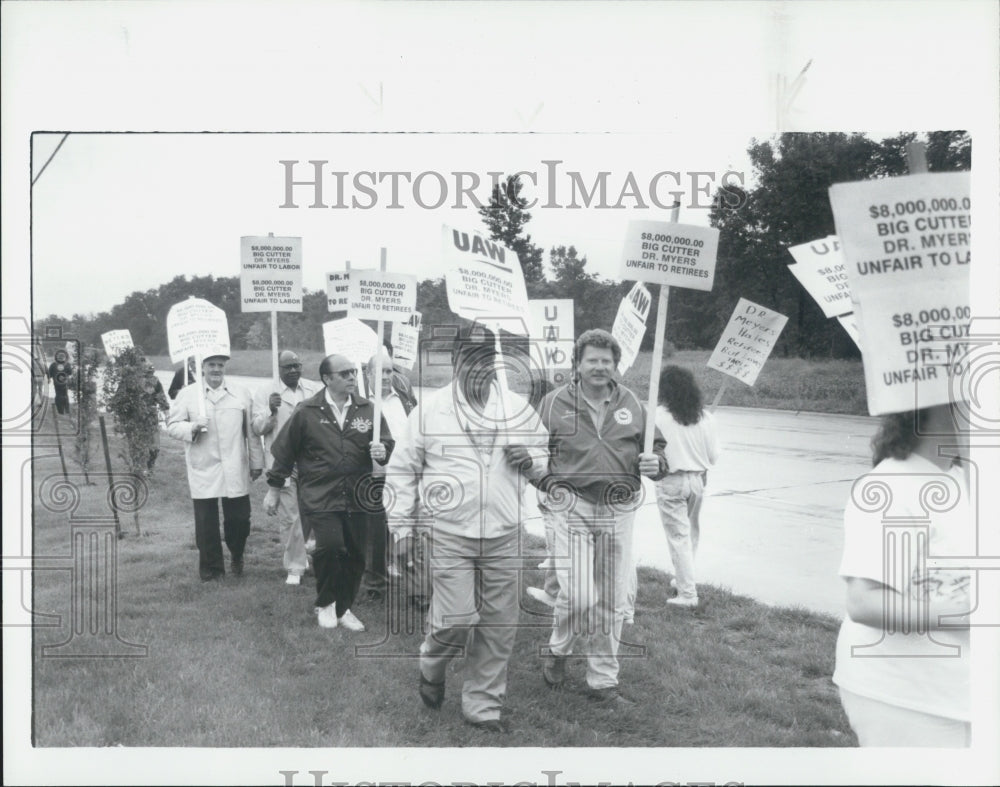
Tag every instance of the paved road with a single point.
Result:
(771, 521)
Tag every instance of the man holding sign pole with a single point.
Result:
(596, 430)
(212, 419)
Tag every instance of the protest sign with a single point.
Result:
(116, 341)
(678, 255)
(820, 268)
(404, 344)
(747, 341)
(850, 325)
(381, 295)
(485, 281)
(351, 337)
(270, 274)
(906, 241)
(336, 291)
(552, 337)
(196, 327)
(630, 324)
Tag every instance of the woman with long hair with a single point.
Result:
(903, 649)
(692, 449)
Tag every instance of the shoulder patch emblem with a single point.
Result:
(361, 424)
(623, 416)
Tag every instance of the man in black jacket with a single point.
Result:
(329, 438)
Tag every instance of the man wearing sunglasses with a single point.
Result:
(273, 405)
(328, 440)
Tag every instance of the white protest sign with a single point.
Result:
(404, 344)
(381, 295)
(336, 291)
(116, 341)
(747, 341)
(850, 326)
(485, 281)
(196, 327)
(552, 336)
(630, 324)
(351, 337)
(270, 274)
(907, 242)
(678, 255)
(821, 269)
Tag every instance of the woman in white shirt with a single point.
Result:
(903, 651)
(692, 449)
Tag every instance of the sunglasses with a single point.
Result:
(347, 374)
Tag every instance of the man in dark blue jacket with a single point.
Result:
(329, 439)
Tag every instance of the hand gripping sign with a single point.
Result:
(907, 245)
(116, 341)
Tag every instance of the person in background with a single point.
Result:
(180, 379)
(596, 432)
(470, 462)
(692, 449)
(395, 410)
(273, 405)
(222, 457)
(157, 400)
(903, 662)
(328, 440)
(61, 373)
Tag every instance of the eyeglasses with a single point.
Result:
(291, 366)
(347, 374)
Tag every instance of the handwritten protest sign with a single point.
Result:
(336, 291)
(116, 341)
(552, 337)
(270, 274)
(747, 341)
(196, 327)
(351, 337)
(678, 255)
(907, 245)
(381, 295)
(820, 268)
(485, 281)
(630, 324)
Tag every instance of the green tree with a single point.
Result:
(506, 219)
(86, 408)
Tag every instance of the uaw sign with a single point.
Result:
(271, 274)
(552, 337)
(630, 324)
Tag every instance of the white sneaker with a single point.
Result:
(682, 601)
(293, 579)
(538, 594)
(673, 582)
(547, 563)
(327, 616)
(351, 623)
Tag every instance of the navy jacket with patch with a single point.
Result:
(334, 466)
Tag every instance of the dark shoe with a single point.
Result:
(554, 670)
(431, 693)
(495, 726)
(609, 696)
(237, 567)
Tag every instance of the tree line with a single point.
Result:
(788, 205)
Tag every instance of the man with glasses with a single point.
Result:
(328, 439)
(273, 405)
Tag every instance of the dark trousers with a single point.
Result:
(236, 528)
(376, 537)
(339, 557)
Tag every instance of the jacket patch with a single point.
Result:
(361, 424)
(623, 416)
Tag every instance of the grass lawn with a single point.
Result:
(824, 386)
(243, 663)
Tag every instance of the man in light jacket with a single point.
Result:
(222, 457)
(273, 404)
(469, 456)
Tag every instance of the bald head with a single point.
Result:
(340, 376)
(386, 363)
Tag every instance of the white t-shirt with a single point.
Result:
(694, 447)
(899, 504)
